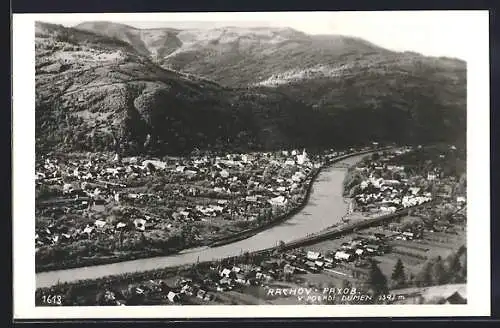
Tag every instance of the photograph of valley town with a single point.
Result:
(263, 162)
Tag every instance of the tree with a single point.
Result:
(69, 297)
(355, 190)
(454, 268)
(438, 272)
(461, 250)
(346, 284)
(100, 298)
(246, 257)
(463, 271)
(398, 275)
(424, 277)
(212, 275)
(287, 276)
(377, 282)
(232, 275)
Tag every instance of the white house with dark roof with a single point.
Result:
(225, 272)
(313, 256)
(100, 223)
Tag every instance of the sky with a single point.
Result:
(432, 33)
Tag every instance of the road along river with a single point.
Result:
(326, 206)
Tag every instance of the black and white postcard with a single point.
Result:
(285, 164)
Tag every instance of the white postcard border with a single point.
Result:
(478, 193)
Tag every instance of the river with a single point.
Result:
(326, 206)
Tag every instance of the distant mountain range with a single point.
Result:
(102, 85)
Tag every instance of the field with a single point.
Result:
(413, 254)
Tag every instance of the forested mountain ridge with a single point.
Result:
(103, 92)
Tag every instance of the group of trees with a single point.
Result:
(422, 160)
(352, 181)
(44, 192)
(437, 271)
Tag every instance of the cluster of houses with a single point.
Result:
(233, 187)
(155, 290)
(388, 195)
(208, 282)
(388, 187)
(53, 234)
(357, 248)
(203, 287)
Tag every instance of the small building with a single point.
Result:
(345, 246)
(278, 201)
(359, 251)
(414, 190)
(302, 158)
(456, 298)
(240, 278)
(187, 289)
(67, 188)
(154, 163)
(180, 168)
(341, 255)
(310, 264)
(251, 199)
(225, 272)
(329, 260)
(372, 247)
(313, 256)
(100, 223)
(140, 224)
(225, 281)
(201, 294)
(289, 269)
(409, 235)
(88, 230)
(431, 176)
(173, 297)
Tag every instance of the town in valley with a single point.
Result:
(415, 197)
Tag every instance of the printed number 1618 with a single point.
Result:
(52, 299)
